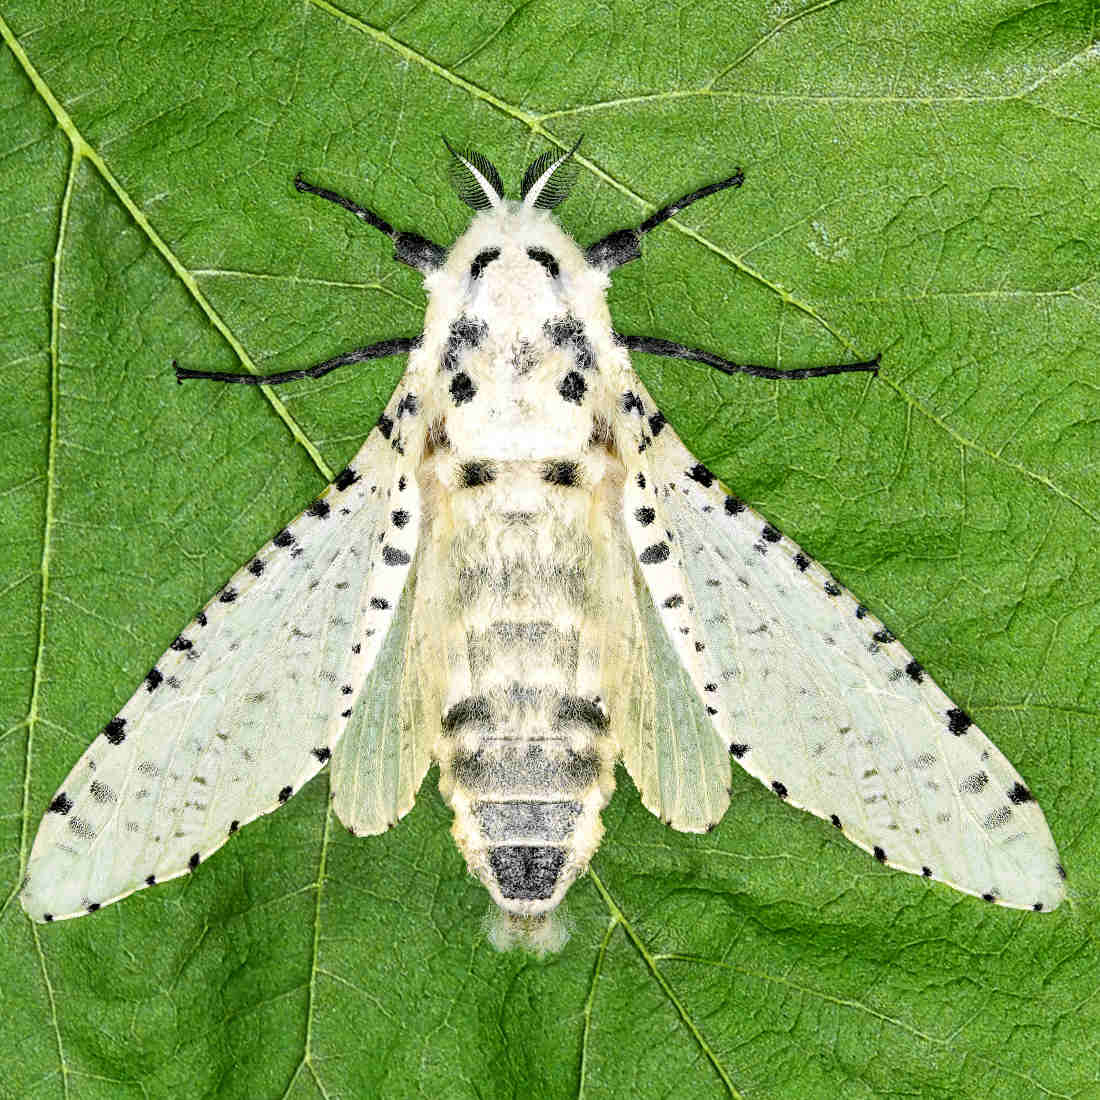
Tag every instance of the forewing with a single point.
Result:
(813, 696)
(246, 704)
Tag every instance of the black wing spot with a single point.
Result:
(379, 604)
(93, 906)
(153, 679)
(770, 534)
(285, 793)
(283, 539)
(1020, 794)
(392, 556)
(233, 827)
(914, 671)
(113, 731)
(631, 402)
(385, 425)
(802, 562)
(255, 567)
(737, 750)
(227, 595)
(323, 754)
(779, 788)
(1037, 907)
(150, 880)
(861, 612)
(645, 516)
(61, 804)
(880, 855)
(655, 554)
(836, 821)
(319, 509)
(101, 792)
(832, 589)
(883, 636)
(734, 506)
(926, 872)
(974, 784)
(400, 517)
(701, 474)
(674, 601)
(656, 423)
(193, 862)
(346, 479)
(181, 644)
(958, 721)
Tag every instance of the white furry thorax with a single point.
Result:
(516, 366)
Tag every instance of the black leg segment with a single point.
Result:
(653, 345)
(624, 245)
(402, 345)
(409, 248)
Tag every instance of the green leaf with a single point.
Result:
(920, 180)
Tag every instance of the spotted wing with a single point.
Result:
(667, 742)
(380, 762)
(246, 705)
(812, 695)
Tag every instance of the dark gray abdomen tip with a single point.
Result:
(526, 873)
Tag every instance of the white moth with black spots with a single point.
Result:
(524, 576)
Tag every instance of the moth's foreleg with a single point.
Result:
(653, 345)
(402, 345)
(409, 248)
(624, 245)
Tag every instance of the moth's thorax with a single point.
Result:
(517, 344)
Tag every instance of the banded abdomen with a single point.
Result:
(526, 760)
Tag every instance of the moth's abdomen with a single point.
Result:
(527, 772)
(526, 760)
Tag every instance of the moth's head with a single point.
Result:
(514, 256)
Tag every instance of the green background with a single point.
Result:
(921, 179)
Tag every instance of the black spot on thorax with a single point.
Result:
(482, 261)
(541, 256)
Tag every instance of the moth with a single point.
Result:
(525, 577)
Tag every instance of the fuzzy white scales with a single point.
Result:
(526, 577)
